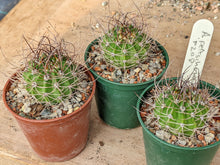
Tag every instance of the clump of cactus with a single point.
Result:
(125, 43)
(50, 75)
(183, 108)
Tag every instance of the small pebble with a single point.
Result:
(26, 108)
(132, 81)
(69, 107)
(200, 137)
(215, 17)
(218, 136)
(103, 67)
(167, 135)
(59, 112)
(148, 121)
(137, 70)
(209, 137)
(173, 138)
(84, 84)
(206, 130)
(75, 108)
(160, 134)
(186, 37)
(105, 3)
(181, 142)
(118, 72)
(97, 25)
(101, 143)
(217, 53)
(97, 69)
(163, 134)
(144, 66)
(45, 113)
(70, 110)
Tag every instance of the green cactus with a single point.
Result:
(49, 75)
(125, 46)
(182, 110)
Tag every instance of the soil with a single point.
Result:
(72, 19)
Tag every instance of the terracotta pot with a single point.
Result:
(58, 139)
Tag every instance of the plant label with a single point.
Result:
(197, 50)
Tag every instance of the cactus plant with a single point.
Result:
(50, 75)
(183, 108)
(125, 44)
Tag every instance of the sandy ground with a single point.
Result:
(71, 19)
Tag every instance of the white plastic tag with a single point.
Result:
(197, 50)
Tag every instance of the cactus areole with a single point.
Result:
(49, 77)
(125, 46)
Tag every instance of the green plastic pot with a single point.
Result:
(159, 152)
(116, 101)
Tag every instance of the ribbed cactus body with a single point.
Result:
(50, 79)
(181, 113)
(124, 46)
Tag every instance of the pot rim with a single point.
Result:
(8, 83)
(165, 54)
(162, 141)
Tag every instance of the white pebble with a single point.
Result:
(25, 108)
(163, 134)
(53, 115)
(97, 25)
(144, 66)
(217, 53)
(209, 137)
(75, 108)
(132, 81)
(105, 3)
(70, 111)
(118, 72)
(137, 70)
(182, 142)
(206, 130)
(59, 112)
(69, 106)
(167, 135)
(218, 136)
(215, 17)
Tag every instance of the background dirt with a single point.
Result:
(72, 19)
